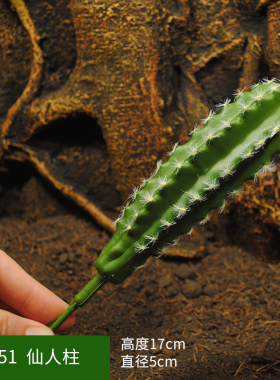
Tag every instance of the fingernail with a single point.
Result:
(38, 331)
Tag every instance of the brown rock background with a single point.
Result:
(92, 94)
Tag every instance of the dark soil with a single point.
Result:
(223, 304)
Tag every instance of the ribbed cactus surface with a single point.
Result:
(234, 145)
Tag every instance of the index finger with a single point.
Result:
(27, 296)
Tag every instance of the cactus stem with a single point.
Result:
(227, 171)
(259, 95)
(211, 185)
(243, 106)
(165, 224)
(205, 220)
(162, 181)
(261, 142)
(225, 124)
(236, 93)
(211, 134)
(248, 154)
(235, 193)
(159, 162)
(128, 226)
(161, 251)
(147, 197)
(275, 88)
(211, 114)
(265, 169)
(140, 247)
(173, 149)
(135, 213)
(193, 151)
(177, 165)
(222, 208)
(246, 136)
(175, 241)
(132, 197)
(151, 239)
(142, 183)
(223, 103)
(180, 210)
(190, 233)
(196, 128)
(275, 130)
(195, 196)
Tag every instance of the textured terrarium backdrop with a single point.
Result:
(92, 94)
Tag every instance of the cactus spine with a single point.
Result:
(235, 145)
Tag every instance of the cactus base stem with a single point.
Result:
(80, 299)
(62, 318)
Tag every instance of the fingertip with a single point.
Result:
(38, 330)
(11, 324)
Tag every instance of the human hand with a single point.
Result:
(26, 306)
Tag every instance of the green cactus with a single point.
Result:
(235, 145)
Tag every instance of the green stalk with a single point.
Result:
(80, 300)
(62, 318)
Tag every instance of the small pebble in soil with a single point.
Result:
(210, 290)
(72, 256)
(188, 318)
(164, 282)
(171, 291)
(192, 289)
(263, 299)
(271, 311)
(58, 248)
(63, 258)
(178, 329)
(191, 341)
(184, 272)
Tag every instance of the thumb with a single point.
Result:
(11, 324)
